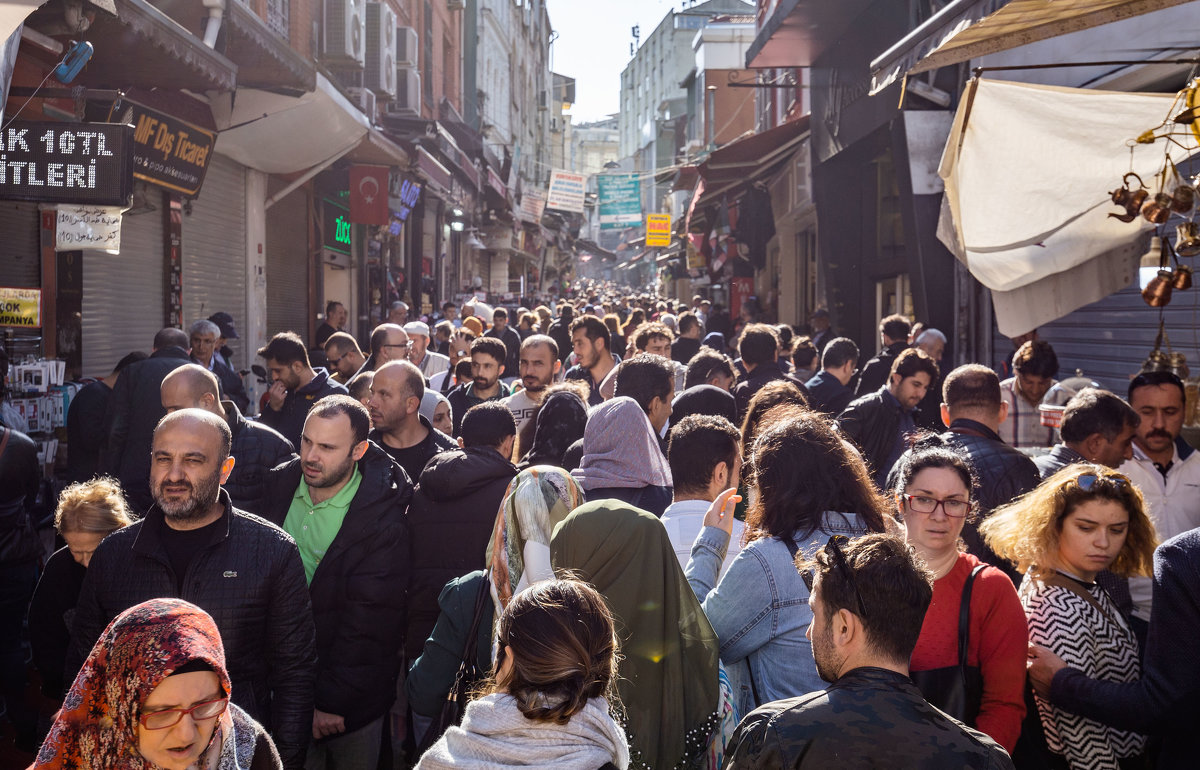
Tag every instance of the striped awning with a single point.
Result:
(969, 29)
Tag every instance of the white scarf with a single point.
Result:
(495, 734)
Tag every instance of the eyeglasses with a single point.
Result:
(834, 549)
(955, 509)
(1088, 481)
(161, 720)
(395, 344)
(334, 361)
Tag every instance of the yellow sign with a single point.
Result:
(21, 307)
(658, 229)
(695, 259)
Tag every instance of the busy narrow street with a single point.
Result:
(637, 385)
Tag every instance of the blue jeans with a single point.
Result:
(358, 750)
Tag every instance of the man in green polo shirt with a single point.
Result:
(345, 501)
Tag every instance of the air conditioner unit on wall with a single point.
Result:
(365, 99)
(380, 72)
(345, 33)
(406, 47)
(408, 93)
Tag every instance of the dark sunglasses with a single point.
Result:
(834, 549)
(1089, 481)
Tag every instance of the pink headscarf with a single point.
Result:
(620, 449)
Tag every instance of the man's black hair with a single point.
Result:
(1092, 411)
(285, 348)
(704, 366)
(644, 378)
(487, 425)
(895, 327)
(759, 344)
(339, 403)
(490, 346)
(130, 358)
(837, 352)
(698, 443)
(594, 328)
(1146, 379)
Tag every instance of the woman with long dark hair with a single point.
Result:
(804, 485)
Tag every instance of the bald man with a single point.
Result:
(192, 544)
(389, 342)
(256, 448)
(400, 428)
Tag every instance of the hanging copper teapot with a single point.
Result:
(1187, 239)
(1182, 279)
(1158, 211)
(1131, 200)
(1183, 200)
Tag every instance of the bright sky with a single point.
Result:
(593, 47)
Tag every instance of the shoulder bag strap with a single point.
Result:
(1055, 579)
(964, 616)
(472, 646)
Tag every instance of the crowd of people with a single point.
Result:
(620, 532)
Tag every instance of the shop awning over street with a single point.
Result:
(793, 33)
(282, 134)
(969, 29)
(729, 170)
(1028, 170)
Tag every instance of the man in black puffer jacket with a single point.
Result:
(135, 411)
(256, 448)
(344, 500)
(245, 572)
(454, 510)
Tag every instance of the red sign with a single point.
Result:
(740, 290)
(369, 195)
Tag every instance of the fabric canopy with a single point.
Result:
(968, 29)
(1028, 170)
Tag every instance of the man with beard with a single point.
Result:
(345, 501)
(429, 362)
(1166, 470)
(487, 366)
(538, 367)
(400, 428)
(193, 544)
(590, 341)
(868, 598)
(295, 387)
(343, 357)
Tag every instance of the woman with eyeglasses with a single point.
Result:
(1081, 521)
(985, 687)
(154, 693)
(804, 484)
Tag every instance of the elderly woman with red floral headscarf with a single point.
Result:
(154, 693)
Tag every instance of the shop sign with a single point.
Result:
(21, 307)
(95, 228)
(67, 162)
(169, 152)
(533, 203)
(566, 191)
(620, 200)
(403, 194)
(338, 229)
(695, 257)
(658, 230)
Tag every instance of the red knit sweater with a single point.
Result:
(998, 643)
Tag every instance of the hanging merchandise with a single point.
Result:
(756, 224)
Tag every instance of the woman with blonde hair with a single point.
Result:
(1081, 521)
(87, 513)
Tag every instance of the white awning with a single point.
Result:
(1028, 170)
(969, 29)
(13, 13)
(282, 134)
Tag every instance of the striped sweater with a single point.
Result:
(1098, 644)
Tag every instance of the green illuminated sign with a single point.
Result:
(339, 232)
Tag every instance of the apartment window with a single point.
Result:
(449, 75)
(278, 15)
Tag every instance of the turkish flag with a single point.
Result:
(369, 195)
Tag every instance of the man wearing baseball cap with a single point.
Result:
(429, 362)
(224, 322)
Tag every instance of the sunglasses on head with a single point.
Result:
(834, 549)
(1091, 481)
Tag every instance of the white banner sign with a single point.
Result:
(566, 191)
(88, 227)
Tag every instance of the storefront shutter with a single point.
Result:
(214, 250)
(20, 263)
(287, 266)
(123, 293)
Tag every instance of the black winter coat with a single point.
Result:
(20, 477)
(560, 332)
(136, 409)
(256, 450)
(359, 589)
(289, 420)
(871, 423)
(1004, 474)
(875, 371)
(251, 580)
(451, 518)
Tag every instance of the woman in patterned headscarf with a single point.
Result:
(154, 693)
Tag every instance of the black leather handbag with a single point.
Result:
(956, 690)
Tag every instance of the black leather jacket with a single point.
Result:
(871, 423)
(359, 590)
(256, 450)
(250, 579)
(19, 479)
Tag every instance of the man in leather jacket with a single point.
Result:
(193, 544)
(868, 599)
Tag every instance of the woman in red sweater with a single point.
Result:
(933, 500)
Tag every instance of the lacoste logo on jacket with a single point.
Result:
(229, 573)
